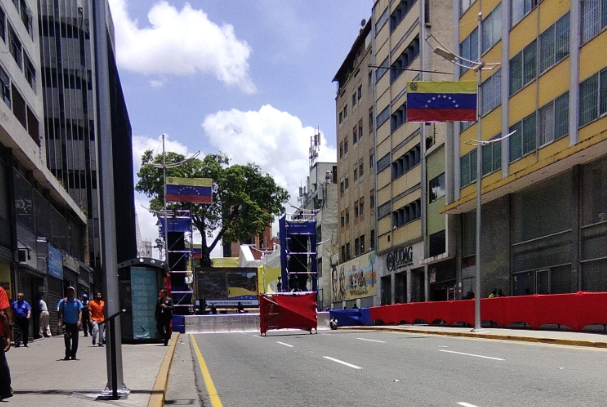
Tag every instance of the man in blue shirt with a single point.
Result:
(69, 318)
(23, 312)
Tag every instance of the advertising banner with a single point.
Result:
(143, 296)
(54, 262)
(226, 287)
(354, 279)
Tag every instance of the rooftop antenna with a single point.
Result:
(314, 147)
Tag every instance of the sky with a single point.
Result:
(249, 78)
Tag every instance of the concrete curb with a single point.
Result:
(162, 379)
(554, 341)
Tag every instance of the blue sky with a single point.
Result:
(250, 78)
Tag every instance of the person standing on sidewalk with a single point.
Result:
(45, 329)
(69, 317)
(23, 312)
(86, 317)
(5, 343)
(164, 313)
(96, 309)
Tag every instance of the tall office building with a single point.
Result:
(71, 120)
(42, 228)
(414, 242)
(544, 199)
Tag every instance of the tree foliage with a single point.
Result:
(245, 200)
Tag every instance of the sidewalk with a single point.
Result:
(40, 376)
(555, 337)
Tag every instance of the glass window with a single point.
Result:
(589, 94)
(515, 141)
(492, 28)
(529, 134)
(547, 124)
(5, 87)
(436, 188)
(561, 116)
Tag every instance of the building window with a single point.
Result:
(468, 49)
(436, 188)
(341, 187)
(360, 129)
(372, 239)
(381, 71)
(346, 145)
(370, 120)
(340, 117)
(26, 16)
(356, 247)
(492, 28)
(360, 92)
(371, 160)
(353, 100)
(2, 25)
(361, 241)
(348, 253)
(354, 135)
(437, 244)
(5, 87)
(360, 168)
(594, 18)
(355, 172)
(347, 217)
(492, 156)
(593, 97)
(404, 60)
(343, 253)
(361, 207)
(519, 9)
(491, 91)
(343, 219)
(347, 183)
(30, 71)
(523, 68)
(399, 117)
(407, 161)
(341, 149)
(554, 120)
(15, 46)
(345, 111)
(406, 214)
(355, 211)
(383, 116)
(400, 12)
(554, 44)
(522, 142)
(468, 168)
(372, 201)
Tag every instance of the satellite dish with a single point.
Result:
(363, 22)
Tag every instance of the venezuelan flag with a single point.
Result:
(194, 190)
(448, 101)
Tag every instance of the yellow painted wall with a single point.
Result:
(384, 144)
(552, 10)
(592, 55)
(411, 231)
(383, 179)
(554, 82)
(523, 33)
(522, 104)
(593, 128)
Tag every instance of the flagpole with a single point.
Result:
(166, 228)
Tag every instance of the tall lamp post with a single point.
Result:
(477, 66)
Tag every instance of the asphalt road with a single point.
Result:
(349, 368)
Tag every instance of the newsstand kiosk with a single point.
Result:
(141, 280)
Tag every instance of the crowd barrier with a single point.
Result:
(575, 311)
(247, 322)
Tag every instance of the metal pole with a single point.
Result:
(479, 175)
(166, 228)
(106, 189)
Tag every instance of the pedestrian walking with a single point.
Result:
(6, 390)
(96, 310)
(23, 312)
(164, 314)
(69, 317)
(86, 316)
(45, 328)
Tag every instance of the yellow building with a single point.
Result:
(544, 187)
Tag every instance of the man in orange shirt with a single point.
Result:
(5, 344)
(96, 309)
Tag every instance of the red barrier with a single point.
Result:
(572, 310)
(278, 311)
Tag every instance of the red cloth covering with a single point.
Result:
(4, 305)
(575, 310)
(292, 310)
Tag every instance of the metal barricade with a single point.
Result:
(247, 322)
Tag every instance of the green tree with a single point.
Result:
(245, 200)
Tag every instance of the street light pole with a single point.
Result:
(479, 174)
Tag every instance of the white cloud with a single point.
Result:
(276, 141)
(182, 42)
(156, 83)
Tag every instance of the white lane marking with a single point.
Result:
(470, 354)
(370, 340)
(342, 362)
(464, 404)
(286, 344)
